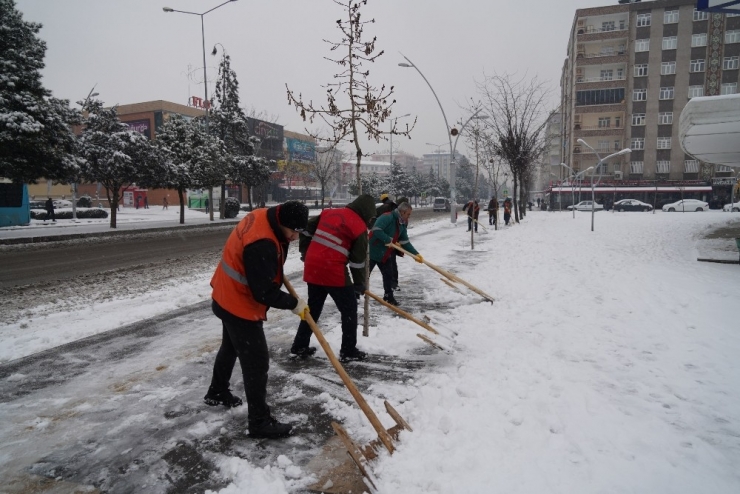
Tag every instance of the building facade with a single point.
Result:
(630, 70)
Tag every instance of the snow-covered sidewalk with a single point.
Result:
(608, 362)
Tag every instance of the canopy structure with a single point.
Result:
(709, 128)
(729, 6)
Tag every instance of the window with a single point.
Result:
(732, 36)
(600, 96)
(643, 20)
(724, 169)
(691, 166)
(666, 93)
(641, 70)
(636, 167)
(729, 88)
(699, 39)
(601, 169)
(605, 122)
(618, 122)
(667, 68)
(608, 26)
(697, 65)
(663, 166)
(696, 91)
(729, 63)
(642, 45)
(670, 17)
(700, 16)
(664, 143)
(604, 146)
(637, 143)
(606, 75)
(671, 43)
(639, 94)
(617, 145)
(665, 118)
(638, 119)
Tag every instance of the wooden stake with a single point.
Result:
(401, 312)
(445, 273)
(382, 433)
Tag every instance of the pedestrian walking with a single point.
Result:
(50, 211)
(138, 202)
(206, 204)
(538, 202)
(165, 203)
(245, 285)
(507, 210)
(334, 250)
(146, 202)
(391, 227)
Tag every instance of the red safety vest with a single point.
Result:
(230, 288)
(328, 253)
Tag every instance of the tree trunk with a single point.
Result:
(222, 201)
(515, 199)
(181, 196)
(113, 201)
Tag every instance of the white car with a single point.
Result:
(734, 207)
(586, 206)
(686, 205)
(61, 203)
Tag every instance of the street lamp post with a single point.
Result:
(601, 172)
(205, 77)
(572, 189)
(74, 184)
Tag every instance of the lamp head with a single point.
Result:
(625, 151)
(581, 141)
(94, 94)
(167, 9)
(213, 53)
(404, 64)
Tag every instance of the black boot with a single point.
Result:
(224, 398)
(354, 354)
(302, 353)
(269, 428)
(388, 297)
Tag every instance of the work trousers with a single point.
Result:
(346, 302)
(246, 341)
(386, 269)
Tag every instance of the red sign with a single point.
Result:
(199, 102)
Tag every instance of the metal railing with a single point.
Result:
(614, 53)
(594, 29)
(580, 79)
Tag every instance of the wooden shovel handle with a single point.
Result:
(383, 435)
(401, 312)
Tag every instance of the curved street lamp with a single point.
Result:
(205, 77)
(601, 172)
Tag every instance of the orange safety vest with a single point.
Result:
(230, 288)
(328, 253)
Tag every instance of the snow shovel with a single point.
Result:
(481, 225)
(384, 436)
(408, 316)
(444, 273)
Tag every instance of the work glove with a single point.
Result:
(359, 290)
(301, 309)
(419, 258)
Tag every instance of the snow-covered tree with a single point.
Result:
(36, 139)
(465, 178)
(188, 155)
(113, 154)
(229, 123)
(326, 168)
(371, 184)
(399, 183)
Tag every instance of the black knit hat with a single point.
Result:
(293, 215)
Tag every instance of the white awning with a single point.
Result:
(709, 129)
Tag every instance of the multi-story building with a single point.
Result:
(630, 70)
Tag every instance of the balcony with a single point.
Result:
(598, 127)
(582, 79)
(592, 29)
(601, 54)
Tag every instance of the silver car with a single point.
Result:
(734, 207)
(586, 206)
(686, 205)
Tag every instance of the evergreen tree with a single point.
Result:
(114, 155)
(400, 182)
(190, 156)
(36, 139)
(465, 179)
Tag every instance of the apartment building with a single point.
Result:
(630, 70)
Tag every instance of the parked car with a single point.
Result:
(61, 203)
(586, 206)
(632, 205)
(734, 207)
(686, 205)
(37, 204)
(441, 204)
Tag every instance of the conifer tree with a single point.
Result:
(36, 139)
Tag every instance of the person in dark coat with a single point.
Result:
(334, 245)
(492, 211)
(473, 210)
(246, 284)
(507, 210)
(206, 204)
(50, 211)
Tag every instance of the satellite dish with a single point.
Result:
(453, 132)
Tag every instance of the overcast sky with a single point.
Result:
(132, 51)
